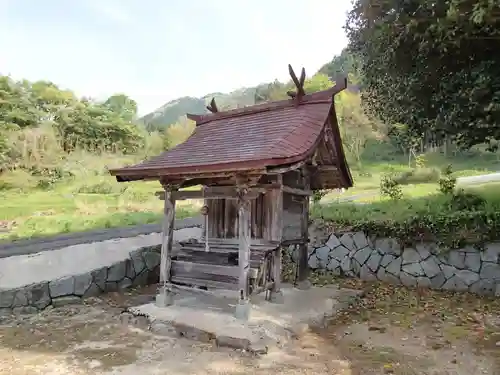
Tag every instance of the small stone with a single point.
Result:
(345, 265)
(362, 255)
(333, 242)
(322, 254)
(7, 297)
(386, 259)
(117, 271)
(38, 295)
(456, 259)
(377, 328)
(414, 269)
(141, 279)
(407, 280)
(92, 291)
(410, 255)
(430, 266)
(491, 252)
(348, 242)
(138, 262)
(373, 261)
(395, 266)
(152, 259)
(66, 300)
(99, 277)
(483, 287)
(455, 284)
(339, 253)
(468, 277)
(423, 250)
(366, 274)
(360, 240)
(25, 310)
(448, 271)
(473, 261)
(437, 281)
(313, 262)
(490, 271)
(62, 287)
(125, 283)
(333, 264)
(388, 246)
(424, 282)
(21, 298)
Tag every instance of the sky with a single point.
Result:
(158, 50)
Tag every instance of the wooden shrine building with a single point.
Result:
(257, 166)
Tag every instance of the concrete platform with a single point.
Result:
(210, 317)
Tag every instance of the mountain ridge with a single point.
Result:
(170, 113)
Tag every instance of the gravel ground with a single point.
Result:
(89, 339)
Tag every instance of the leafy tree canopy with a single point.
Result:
(433, 65)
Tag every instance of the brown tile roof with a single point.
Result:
(259, 136)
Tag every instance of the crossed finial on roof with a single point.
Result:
(299, 83)
(212, 107)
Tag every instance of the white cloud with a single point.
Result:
(111, 10)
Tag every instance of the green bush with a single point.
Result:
(418, 176)
(49, 176)
(389, 187)
(464, 201)
(448, 182)
(101, 187)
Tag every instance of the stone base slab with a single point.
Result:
(209, 317)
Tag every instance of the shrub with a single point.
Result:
(49, 176)
(448, 182)
(101, 187)
(389, 187)
(418, 176)
(17, 179)
(318, 195)
(464, 201)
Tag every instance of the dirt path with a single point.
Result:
(392, 331)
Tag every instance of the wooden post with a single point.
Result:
(165, 295)
(303, 261)
(276, 235)
(243, 306)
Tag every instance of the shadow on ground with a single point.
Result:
(393, 330)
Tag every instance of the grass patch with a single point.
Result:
(75, 206)
(473, 217)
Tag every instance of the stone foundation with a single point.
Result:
(424, 265)
(141, 268)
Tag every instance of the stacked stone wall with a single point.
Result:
(141, 268)
(423, 265)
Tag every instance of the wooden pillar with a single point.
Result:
(277, 235)
(243, 306)
(165, 295)
(303, 261)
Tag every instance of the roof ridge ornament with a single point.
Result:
(212, 107)
(299, 84)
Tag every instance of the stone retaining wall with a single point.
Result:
(141, 268)
(424, 265)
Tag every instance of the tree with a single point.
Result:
(431, 64)
(356, 127)
(345, 64)
(123, 106)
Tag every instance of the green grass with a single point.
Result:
(92, 199)
(96, 202)
(419, 200)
